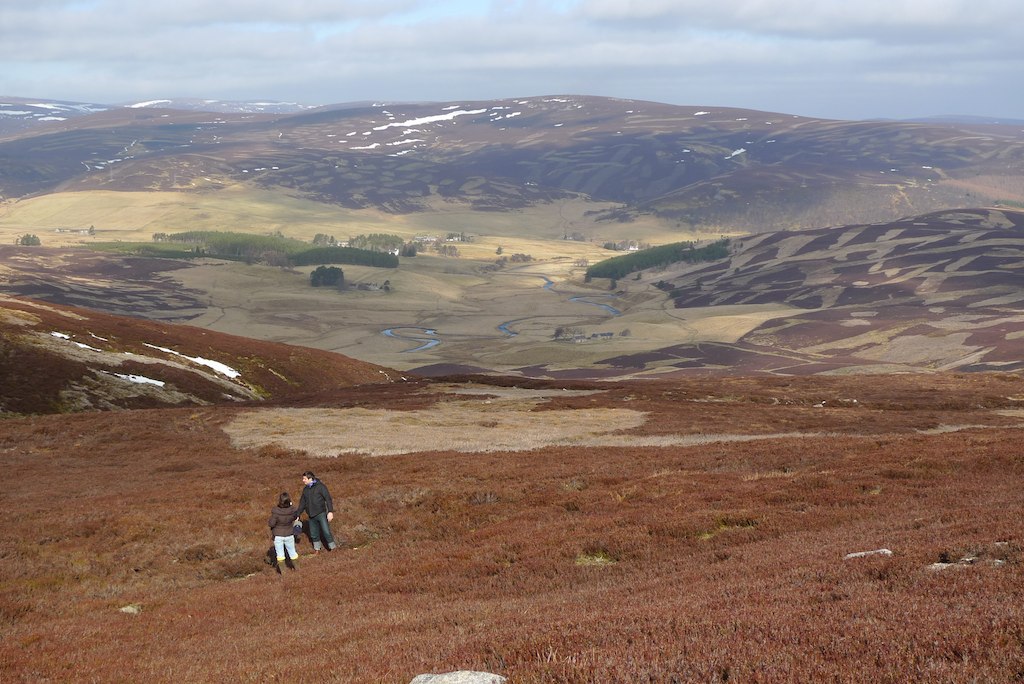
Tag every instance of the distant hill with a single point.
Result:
(705, 168)
(942, 291)
(17, 113)
(60, 359)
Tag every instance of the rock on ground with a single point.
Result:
(460, 677)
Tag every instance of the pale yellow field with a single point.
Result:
(135, 216)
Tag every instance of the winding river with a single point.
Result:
(416, 333)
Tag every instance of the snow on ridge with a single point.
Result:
(149, 103)
(217, 366)
(82, 345)
(137, 379)
(430, 119)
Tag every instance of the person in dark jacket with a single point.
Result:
(282, 518)
(316, 502)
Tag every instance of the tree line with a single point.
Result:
(688, 252)
(274, 250)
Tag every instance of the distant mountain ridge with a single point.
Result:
(18, 113)
(707, 168)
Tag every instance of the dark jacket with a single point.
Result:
(316, 499)
(281, 520)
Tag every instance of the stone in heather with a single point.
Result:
(460, 677)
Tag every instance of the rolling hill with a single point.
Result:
(939, 291)
(709, 169)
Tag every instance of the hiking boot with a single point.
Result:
(290, 562)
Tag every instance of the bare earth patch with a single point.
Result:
(470, 426)
(505, 421)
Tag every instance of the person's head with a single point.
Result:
(308, 477)
(284, 501)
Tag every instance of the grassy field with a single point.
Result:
(137, 215)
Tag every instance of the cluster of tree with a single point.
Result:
(229, 245)
(324, 240)
(28, 240)
(274, 250)
(517, 258)
(573, 333)
(620, 266)
(344, 255)
(567, 333)
(376, 242)
(623, 245)
(327, 276)
(446, 249)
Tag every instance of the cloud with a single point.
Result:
(818, 58)
(865, 18)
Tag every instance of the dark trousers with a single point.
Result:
(318, 528)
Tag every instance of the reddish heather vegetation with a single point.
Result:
(720, 562)
(56, 359)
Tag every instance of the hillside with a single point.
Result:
(939, 291)
(705, 169)
(61, 359)
(694, 530)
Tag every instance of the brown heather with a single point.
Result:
(713, 562)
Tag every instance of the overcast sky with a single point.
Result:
(848, 59)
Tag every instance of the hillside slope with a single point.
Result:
(716, 169)
(713, 538)
(938, 291)
(57, 359)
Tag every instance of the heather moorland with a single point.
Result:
(693, 530)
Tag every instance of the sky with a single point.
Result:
(843, 59)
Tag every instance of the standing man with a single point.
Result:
(316, 502)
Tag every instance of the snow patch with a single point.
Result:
(217, 366)
(149, 103)
(431, 119)
(137, 379)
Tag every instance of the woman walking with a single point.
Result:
(282, 518)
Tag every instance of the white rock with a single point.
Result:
(460, 677)
(862, 554)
